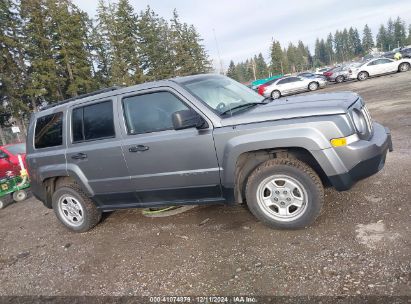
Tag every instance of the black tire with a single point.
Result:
(364, 77)
(296, 170)
(404, 67)
(275, 93)
(91, 215)
(313, 86)
(340, 79)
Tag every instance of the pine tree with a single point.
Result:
(231, 72)
(125, 67)
(329, 47)
(399, 33)
(354, 42)
(69, 39)
(12, 67)
(102, 42)
(46, 83)
(277, 58)
(367, 40)
(260, 66)
(321, 52)
(390, 39)
(382, 39)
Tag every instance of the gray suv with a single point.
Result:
(202, 139)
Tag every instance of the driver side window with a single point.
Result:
(151, 112)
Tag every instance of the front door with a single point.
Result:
(167, 165)
(94, 151)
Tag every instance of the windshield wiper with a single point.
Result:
(242, 106)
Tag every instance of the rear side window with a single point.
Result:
(49, 131)
(93, 122)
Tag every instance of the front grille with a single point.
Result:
(368, 119)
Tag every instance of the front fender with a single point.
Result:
(310, 138)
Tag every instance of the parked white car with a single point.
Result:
(378, 66)
(292, 84)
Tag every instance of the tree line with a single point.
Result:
(343, 45)
(51, 50)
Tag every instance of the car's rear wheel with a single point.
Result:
(339, 79)
(362, 76)
(403, 67)
(312, 86)
(285, 193)
(275, 94)
(74, 209)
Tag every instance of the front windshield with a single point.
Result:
(222, 93)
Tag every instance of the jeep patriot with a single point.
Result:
(195, 140)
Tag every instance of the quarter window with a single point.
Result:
(93, 122)
(49, 131)
(151, 112)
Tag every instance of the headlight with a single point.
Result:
(360, 122)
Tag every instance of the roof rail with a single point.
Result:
(105, 90)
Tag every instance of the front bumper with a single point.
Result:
(364, 158)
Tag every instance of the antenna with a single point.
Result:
(218, 52)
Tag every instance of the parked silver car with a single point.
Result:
(292, 84)
(338, 74)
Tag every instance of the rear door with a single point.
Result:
(94, 151)
(167, 164)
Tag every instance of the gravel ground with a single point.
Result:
(361, 243)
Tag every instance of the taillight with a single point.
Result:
(261, 89)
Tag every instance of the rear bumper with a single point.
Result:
(371, 155)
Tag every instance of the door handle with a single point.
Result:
(79, 156)
(139, 148)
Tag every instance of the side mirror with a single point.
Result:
(188, 119)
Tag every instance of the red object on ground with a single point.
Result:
(9, 160)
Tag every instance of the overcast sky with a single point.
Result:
(246, 27)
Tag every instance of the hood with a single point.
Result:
(296, 106)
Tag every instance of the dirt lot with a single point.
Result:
(361, 244)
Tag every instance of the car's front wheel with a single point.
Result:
(285, 193)
(275, 94)
(339, 79)
(362, 76)
(313, 86)
(74, 209)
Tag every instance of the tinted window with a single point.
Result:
(49, 131)
(382, 61)
(283, 81)
(151, 112)
(3, 154)
(93, 122)
(77, 120)
(293, 79)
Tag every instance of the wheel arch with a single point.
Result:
(248, 161)
(52, 182)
